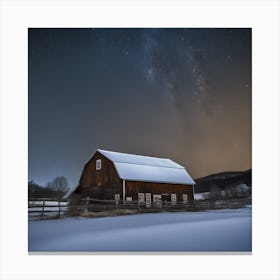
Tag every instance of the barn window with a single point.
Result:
(98, 164)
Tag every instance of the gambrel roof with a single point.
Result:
(148, 169)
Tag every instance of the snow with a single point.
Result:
(216, 230)
(242, 188)
(137, 159)
(47, 203)
(148, 169)
(135, 172)
(201, 196)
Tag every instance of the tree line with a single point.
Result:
(57, 188)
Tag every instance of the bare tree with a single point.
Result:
(59, 185)
(37, 191)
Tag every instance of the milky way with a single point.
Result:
(180, 93)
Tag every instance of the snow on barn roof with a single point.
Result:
(149, 169)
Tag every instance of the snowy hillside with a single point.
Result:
(217, 230)
(222, 180)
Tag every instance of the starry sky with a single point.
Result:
(178, 93)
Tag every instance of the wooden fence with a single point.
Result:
(47, 207)
(57, 208)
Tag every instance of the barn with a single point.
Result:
(113, 175)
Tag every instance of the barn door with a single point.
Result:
(148, 199)
(157, 200)
(173, 198)
(141, 197)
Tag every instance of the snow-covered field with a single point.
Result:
(216, 230)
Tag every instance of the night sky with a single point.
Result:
(183, 94)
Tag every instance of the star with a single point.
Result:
(125, 52)
(150, 73)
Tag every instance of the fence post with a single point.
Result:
(117, 204)
(58, 208)
(43, 208)
(87, 203)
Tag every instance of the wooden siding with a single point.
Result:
(132, 189)
(91, 177)
(105, 183)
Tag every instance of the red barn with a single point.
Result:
(112, 175)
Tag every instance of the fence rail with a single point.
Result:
(64, 207)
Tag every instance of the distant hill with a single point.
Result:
(223, 180)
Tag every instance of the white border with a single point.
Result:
(17, 16)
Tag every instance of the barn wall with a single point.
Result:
(105, 176)
(105, 183)
(106, 192)
(132, 188)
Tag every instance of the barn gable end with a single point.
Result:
(93, 177)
